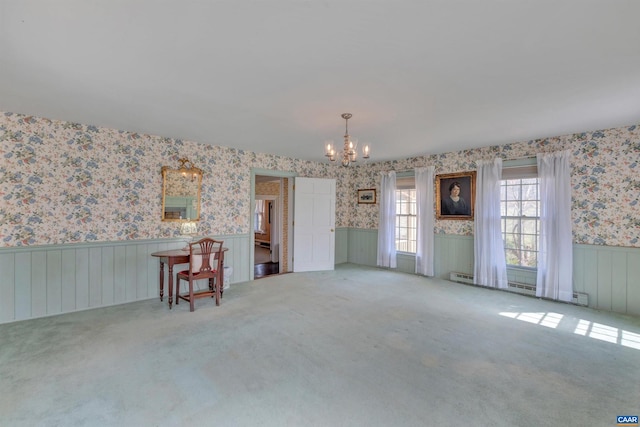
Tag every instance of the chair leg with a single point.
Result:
(218, 288)
(191, 307)
(177, 291)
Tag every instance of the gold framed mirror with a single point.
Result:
(181, 192)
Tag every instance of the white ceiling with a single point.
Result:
(420, 77)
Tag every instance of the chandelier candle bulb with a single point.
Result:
(329, 150)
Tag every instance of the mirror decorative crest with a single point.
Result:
(181, 192)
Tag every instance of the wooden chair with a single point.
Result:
(205, 262)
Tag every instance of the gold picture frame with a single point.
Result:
(446, 205)
(367, 196)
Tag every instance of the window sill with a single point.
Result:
(522, 268)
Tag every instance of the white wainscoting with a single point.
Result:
(48, 280)
(609, 275)
(363, 246)
(342, 245)
(452, 253)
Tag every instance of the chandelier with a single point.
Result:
(349, 150)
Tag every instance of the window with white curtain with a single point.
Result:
(520, 213)
(406, 215)
(258, 222)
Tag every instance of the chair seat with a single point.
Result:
(185, 273)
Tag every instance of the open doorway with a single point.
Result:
(266, 236)
(270, 224)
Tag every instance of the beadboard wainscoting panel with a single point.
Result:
(48, 280)
(107, 262)
(453, 253)
(619, 274)
(585, 273)
(603, 277)
(610, 275)
(7, 288)
(363, 246)
(95, 277)
(22, 281)
(81, 267)
(633, 277)
(342, 245)
(153, 270)
(68, 291)
(130, 273)
(54, 281)
(142, 275)
(38, 283)
(238, 256)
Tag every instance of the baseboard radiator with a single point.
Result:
(579, 298)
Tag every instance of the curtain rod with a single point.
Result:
(521, 158)
(410, 171)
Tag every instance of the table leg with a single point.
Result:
(161, 280)
(221, 276)
(170, 285)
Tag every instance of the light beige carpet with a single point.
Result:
(353, 347)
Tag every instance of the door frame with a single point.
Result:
(277, 220)
(289, 223)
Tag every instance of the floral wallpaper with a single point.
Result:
(605, 179)
(64, 182)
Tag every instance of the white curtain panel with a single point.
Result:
(425, 197)
(490, 265)
(555, 256)
(387, 221)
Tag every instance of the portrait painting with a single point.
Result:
(455, 195)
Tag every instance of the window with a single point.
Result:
(406, 219)
(520, 211)
(258, 221)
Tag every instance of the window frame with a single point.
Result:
(520, 173)
(403, 184)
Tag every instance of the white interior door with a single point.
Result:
(314, 224)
